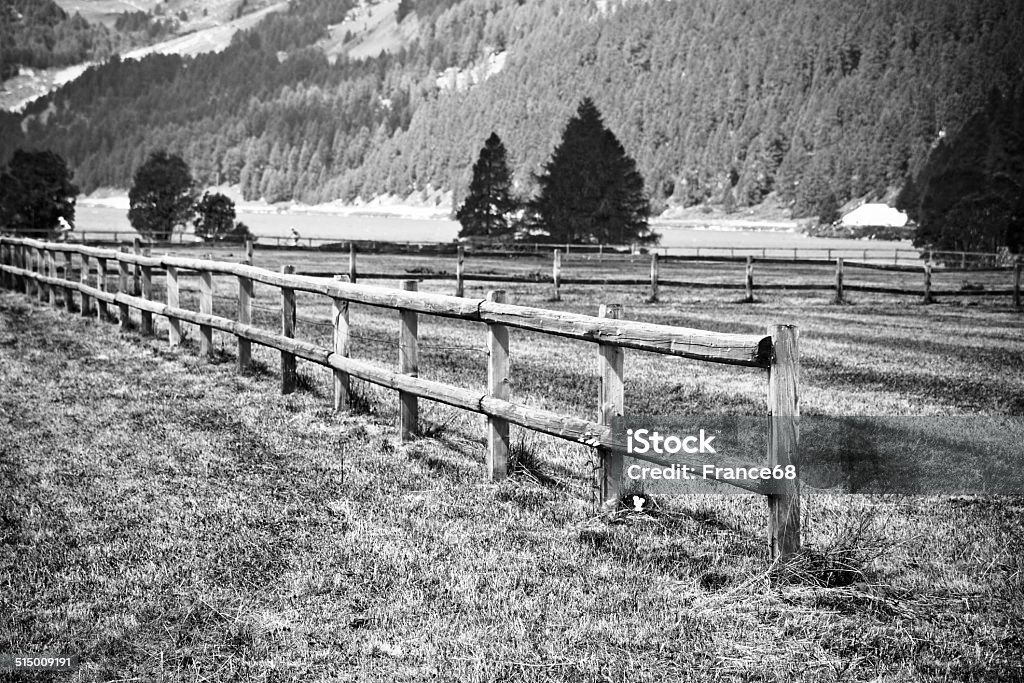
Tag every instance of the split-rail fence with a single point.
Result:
(49, 271)
(745, 281)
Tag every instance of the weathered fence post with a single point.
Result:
(408, 364)
(459, 265)
(288, 378)
(83, 277)
(498, 386)
(69, 302)
(147, 294)
(610, 404)
(1016, 284)
(42, 289)
(123, 312)
(352, 262)
(31, 284)
(51, 271)
(654, 277)
(101, 284)
(206, 308)
(136, 285)
(20, 281)
(839, 280)
(750, 280)
(928, 283)
(248, 252)
(556, 274)
(4, 277)
(784, 440)
(245, 290)
(173, 301)
(339, 316)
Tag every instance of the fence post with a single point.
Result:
(101, 284)
(339, 316)
(4, 278)
(352, 262)
(839, 280)
(173, 301)
(244, 360)
(408, 364)
(136, 286)
(610, 404)
(123, 312)
(459, 272)
(42, 288)
(83, 277)
(288, 379)
(1016, 284)
(927, 283)
(30, 266)
(556, 274)
(750, 279)
(498, 386)
(654, 277)
(69, 302)
(784, 439)
(147, 294)
(205, 307)
(248, 252)
(20, 281)
(51, 271)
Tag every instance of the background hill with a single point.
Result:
(717, 102)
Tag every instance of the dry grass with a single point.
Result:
(171, 520)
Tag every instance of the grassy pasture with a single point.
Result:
(171, 520)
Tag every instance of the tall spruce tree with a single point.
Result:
(591, 189)
(489, 204)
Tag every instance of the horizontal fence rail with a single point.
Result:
(891, 254)
(31, 266)
(745, 278)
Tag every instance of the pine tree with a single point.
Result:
(591, 189)
(489, 204)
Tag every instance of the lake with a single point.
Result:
(93, 219)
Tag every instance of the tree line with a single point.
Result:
(590, 191)
(811, 102)
(37, 199)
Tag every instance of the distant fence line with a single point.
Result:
(596, 251)
(655, 282)
(32, 267)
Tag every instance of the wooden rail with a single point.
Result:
(599, 251)
(655, 281)
(775, 352)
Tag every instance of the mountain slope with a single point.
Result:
(799, 99)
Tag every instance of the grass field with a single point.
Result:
(170, 520)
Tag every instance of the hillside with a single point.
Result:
(53, 43)
(793, 100)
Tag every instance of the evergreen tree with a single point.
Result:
(591, 189)
(969, 195)
(35, 193)
(489, 204)
(162, 196)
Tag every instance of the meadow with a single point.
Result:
(168, 519)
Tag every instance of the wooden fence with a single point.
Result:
(33, 267)
(895, 255)
(745, 279)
